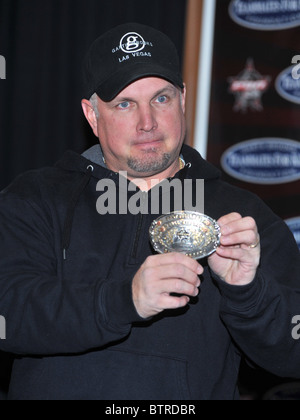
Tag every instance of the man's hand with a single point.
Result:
(237, 259)
(159, 278)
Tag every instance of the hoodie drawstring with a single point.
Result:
(67, 229)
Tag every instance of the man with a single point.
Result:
(92, 312)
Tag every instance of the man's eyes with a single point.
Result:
(124, 105)
(162, 99)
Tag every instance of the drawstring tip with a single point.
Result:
(64, 254)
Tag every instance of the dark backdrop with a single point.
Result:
(43, 43)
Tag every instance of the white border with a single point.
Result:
(251, 179)
(281, 92)
(260, 27)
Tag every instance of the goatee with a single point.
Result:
(150, 164)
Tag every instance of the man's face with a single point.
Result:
(142, 130)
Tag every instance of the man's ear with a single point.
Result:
(90, 115)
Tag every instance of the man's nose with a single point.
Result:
(147, 120)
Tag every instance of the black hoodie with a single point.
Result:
(65, 292)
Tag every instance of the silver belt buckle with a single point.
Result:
(193, 234)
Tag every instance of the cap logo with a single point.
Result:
(132, 42)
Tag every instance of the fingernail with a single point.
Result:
(199, 269)
(225, 230)
(225, 239)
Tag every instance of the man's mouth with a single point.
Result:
(150, 143)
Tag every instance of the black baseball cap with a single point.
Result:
(125, 54)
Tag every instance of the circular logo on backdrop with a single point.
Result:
(266, 15)
(264, 161)
(294, 225)
(288, 86)
(132, 43)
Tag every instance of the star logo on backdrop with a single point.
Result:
(248, 88)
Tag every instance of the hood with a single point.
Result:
(91, 164)
(196, 166)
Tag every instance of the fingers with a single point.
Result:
(234, 222)
(174, 279)
(240, 254)
(225, 220)
(247, 238)
(238, 257)
(238, 231)
(165, 282)
(175, 258)
(173, 273)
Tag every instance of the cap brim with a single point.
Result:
(117, 82)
